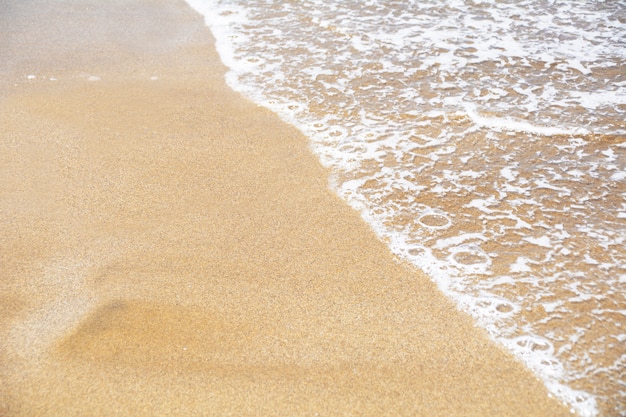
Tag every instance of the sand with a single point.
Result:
(170, 248)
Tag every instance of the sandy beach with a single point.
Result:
(170, 248)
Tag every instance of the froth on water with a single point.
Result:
(485, 141)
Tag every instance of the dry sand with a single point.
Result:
(169, 248)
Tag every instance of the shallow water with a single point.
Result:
(484, 141)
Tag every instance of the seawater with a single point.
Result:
(484, 141)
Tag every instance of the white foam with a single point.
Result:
(540, 241)
(508, 173)
(593, 100)
(483, 204)
(521, 265)
(508, 123)
(618, 176)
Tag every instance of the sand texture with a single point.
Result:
(169, 248)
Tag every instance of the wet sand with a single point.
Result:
(169, 248)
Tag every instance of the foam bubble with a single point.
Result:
(434, 219)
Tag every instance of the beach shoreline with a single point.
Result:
(170, 248)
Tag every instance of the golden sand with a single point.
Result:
(169, 248)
